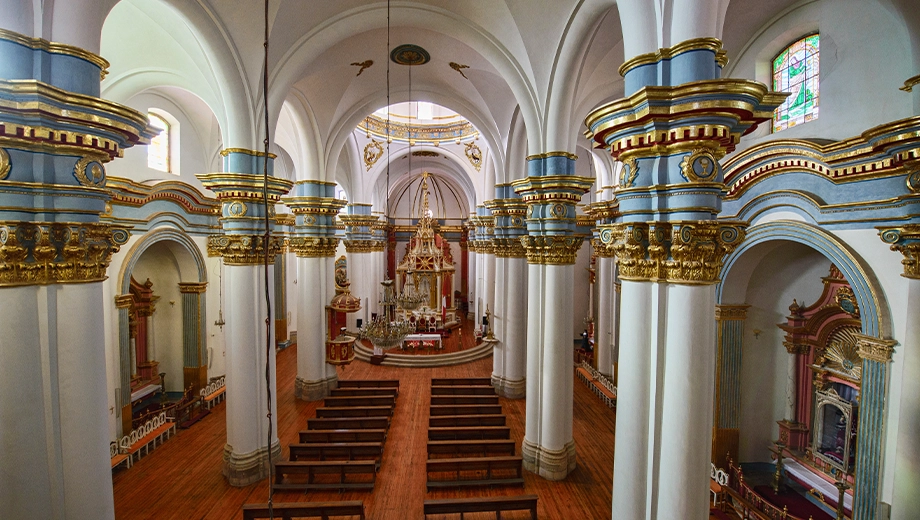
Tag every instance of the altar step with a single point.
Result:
(429, 360)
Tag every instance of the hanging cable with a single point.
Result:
(266, 244)
(386, 211)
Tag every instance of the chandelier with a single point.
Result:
(384, 330)
(411, 297)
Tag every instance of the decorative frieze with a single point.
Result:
(551, 250)
(35, 253)
(685, 252)
(244, 249)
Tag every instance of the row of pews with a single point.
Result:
(469, 444)
(341, 448)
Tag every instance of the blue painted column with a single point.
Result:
(56, 137)
(509, 318)
(677, 121)
(194, 337)
(314, 242)
(243, 248)
(551, 190)
(727, 417)
(481, 244)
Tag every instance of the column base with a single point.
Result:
(512, 389)
(549, 464)
(245, 469)
(314, 390)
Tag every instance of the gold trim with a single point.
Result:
(551, 154)
(5, 164)
(364, 246)
(58, 48)
(124, 301)
(551, 250)
(42, 253)
(664, 53)
(909, 83)
(255, 153)
(875, 349)
(313, 247)
(193, 287)
(243, 249)
(731, 312)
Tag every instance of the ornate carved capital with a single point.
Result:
(124, 301)
(481, 247)
(875, 349)
(37, 253)
(551, 250)
(244, 249)
(313, 247)
(796, 348)
(508, 248)
(364, 246)
(685, 252)
(731, 312)
(600, 249)
(905, 240)
(193, 287)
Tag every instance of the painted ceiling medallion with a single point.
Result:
(409, 54)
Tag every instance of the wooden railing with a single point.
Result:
(747, 503)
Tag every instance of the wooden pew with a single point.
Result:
(357, 392)
(348, 423)
(369, 383)
(485, 448)
(463, 399)
(469, 433)
(482, 504)
(364, 471)
(324, 436)
(505, 471)
(462, 390)
(444, 421)
(338, 451)
(354, 411)
(291, 510)
(462, 381)
(466, 409)
(361, 401)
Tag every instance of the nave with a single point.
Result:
(182, 479)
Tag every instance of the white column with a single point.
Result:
(509, 359)
(54, 460)
(907, 463)
(313, 382)
(360, 274)
(548, 448)
(245, 455)
(630, 466)
(488, 282)
(604, 337)
(687, 402)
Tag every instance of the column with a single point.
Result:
(510, 313)
(57, 137)
(314, 242)
(124, 304)
(484, 224)
(670, 132)
(194, 341)
(906, 240)
(727, 417)
(605, 212)
(362, 242)
(244, 250)
(551, 190)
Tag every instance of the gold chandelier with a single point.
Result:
(384, 330)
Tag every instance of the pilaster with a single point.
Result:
(727, 420)
(194, 338)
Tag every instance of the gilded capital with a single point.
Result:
(244, 249)
(364, 246)
(313, 247)
(551, 249)
(508, 248)
(600, 249)
(193, 287)
(796, 348)
(38, 253)
(731, 312)
(124, 301)
(905, 240)
(875, 349)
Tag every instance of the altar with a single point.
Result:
(423, 341)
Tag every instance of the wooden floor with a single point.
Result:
(182, 479)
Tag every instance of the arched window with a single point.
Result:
(795, 70)
(158, 150)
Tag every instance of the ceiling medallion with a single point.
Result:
(409, 54)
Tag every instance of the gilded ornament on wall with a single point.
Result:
(629, 173)
(5, 165)
(90, 172)
(699, 166)
(474, 154)
(237, 209)
(372, 153)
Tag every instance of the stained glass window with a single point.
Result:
(158, 150)
(795, 70)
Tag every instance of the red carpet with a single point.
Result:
(797, 505)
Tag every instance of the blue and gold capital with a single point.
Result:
(551, 191)
(481, 231)
(239, 189)
(508, 211)
(56, 135)
(362, 230)
(315, 208)
(905, 239)
(676, 124)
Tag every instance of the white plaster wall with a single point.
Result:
(158, 264)
(581, 290)
(787, 271)
(216, 345)
(864, 49)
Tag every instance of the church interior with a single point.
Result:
(390, 259)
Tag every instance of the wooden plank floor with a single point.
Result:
(182, 479)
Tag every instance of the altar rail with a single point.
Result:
(747, 503)
(598, 383)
